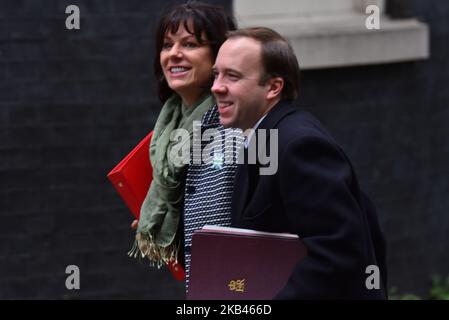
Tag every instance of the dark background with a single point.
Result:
(74, 102)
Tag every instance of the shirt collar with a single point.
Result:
(251, 132)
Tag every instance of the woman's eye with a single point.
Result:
(190, 45)
(166, 45)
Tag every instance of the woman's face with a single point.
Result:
(186, 64)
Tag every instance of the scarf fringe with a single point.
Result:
(144, 246)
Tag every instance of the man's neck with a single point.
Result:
(250, 131)
(269, 107)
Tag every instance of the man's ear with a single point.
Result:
(275, 86)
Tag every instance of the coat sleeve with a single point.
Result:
(320, 198)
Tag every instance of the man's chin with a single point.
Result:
(225, 123)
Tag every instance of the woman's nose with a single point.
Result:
(175, 51)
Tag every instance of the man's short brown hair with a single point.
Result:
(278, 58)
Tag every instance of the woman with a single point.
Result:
(187, 42)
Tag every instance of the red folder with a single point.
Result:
(131, 178)
(241, 264)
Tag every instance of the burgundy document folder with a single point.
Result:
(240, 264)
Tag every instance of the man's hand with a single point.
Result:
(134, 224)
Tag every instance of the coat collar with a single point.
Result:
(276, 114)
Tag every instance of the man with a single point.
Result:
(314, 192)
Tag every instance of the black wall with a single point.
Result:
(74, 102)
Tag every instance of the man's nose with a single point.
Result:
(218, 87)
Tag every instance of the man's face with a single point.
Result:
(241, 100)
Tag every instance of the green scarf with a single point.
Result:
(160, 212)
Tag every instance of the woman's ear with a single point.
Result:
(275, 86)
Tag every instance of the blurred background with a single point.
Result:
(73, 103)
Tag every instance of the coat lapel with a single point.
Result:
(247, 175)
(239, 194)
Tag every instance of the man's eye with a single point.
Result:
(233, 77)
(215, 74)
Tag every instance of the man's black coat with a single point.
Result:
(314, 194)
